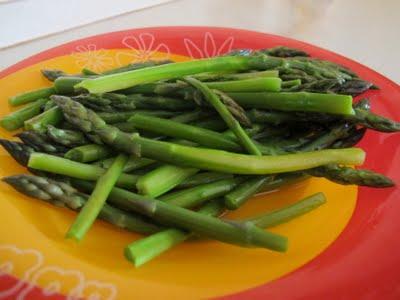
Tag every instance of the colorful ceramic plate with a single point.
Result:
(346, 249)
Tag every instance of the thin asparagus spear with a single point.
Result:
(370, 120)
(158, 102)
(291, 83)
(301, 101)
(31, 96)
(242, 234)
(89, 153)
(163, 179)
(62, 166)
(86, 71)
(52, 74)
(211, 124)
(49, 104)
(204, 137)
(132, 164)
(136, 66)
(267, 84)
(117, 117)
(235, 76)
(207, 159)
(213, 99)
(62, 194)
(98, 197)
(192, 197)
(17, 118)
(19, 151)
(203, 178)
(53, 116)
(146, 249)
(282, 51)
(238, 196)
(346, 175)
(41, 143)
(66, 137)
(190, 116)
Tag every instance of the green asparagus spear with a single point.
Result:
(64, 85)
(117, 117)
(62, 194)
(190, 116)
(132, 164)
(203, 178)
(136, 66)
(282, 51)
(98, 197)
(17, 118)
(88, 72)
(207, 159)
(53, 116)
(163, 179)
(66, 137)
(41, 143)
(204, 137)
(373, 121)
(346, 175)
(214, 99)
(211, 124)
(195, 196)
(89, 153)
(19, 151)
(62, 166)
(235, 76)
(52, 74)
(31, 96)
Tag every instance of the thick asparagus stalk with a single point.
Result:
(203, 178)
(41, 143)
(17, 118)
(62, 194)
(66, 137)
(31, 96)
(208, 159)
(62, 166)
(136, 66)
(19, 151)
(214, 99)
(144, 250)
(195, 196)
(204, 137)
(89, 153)
(49, 117)
(163, 179)
(98, 197)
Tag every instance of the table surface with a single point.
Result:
(365, 30)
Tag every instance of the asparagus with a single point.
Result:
(17, 118)
(204, 137)
(98, 197)
(66, 137)
(64, 195)
(238, 196)
(62, 166)
(242, 234)
(195, 196)
(282, 51)
(207, 159)
(86, 71)
(302, 101)
(53, 116)
(136, 66)
(214, 99)
(89, 153)
(132, 164)
(235, 76)
(144, 250)
(52, 74)
(370, 120)
(31, 96)
(190, 116)
(211, 124)
(203, 178)
(41, 143)
(117, 117)
(163, 179)
(65, 85)
(346, 175)
(352, 139)
(49, 104)
(19, 151)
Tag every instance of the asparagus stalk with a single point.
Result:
(190, 116)
(136, 66)
(116, 117)
(235, 76)
(247, 85)
(195, 196)
(62, 166)
(211, 124)
(203, 178)
(64, 85)
(213, 99)
(301, 101)
(19, 151)
(49, 117)
(163, 179)
(132, 164)
(17, 118)
(41, 143)
(31, 96)
(207, 159)
(92, 207)
(146, 249)
(204, 137)
(52, 74)
(62, 194)
(66, 137)
(89, 153)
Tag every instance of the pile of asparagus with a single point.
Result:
(164, 149)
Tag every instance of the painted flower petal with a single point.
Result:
(226, 46)
(210, 49)
(192, 50)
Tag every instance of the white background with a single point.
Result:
(365, 30)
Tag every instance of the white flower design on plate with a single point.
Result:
(144, 47)
(13, 259)
(88, 56)
(95, 290)
(209, 47)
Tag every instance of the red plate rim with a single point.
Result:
(363, 263)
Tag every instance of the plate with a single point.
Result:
(346, 249)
